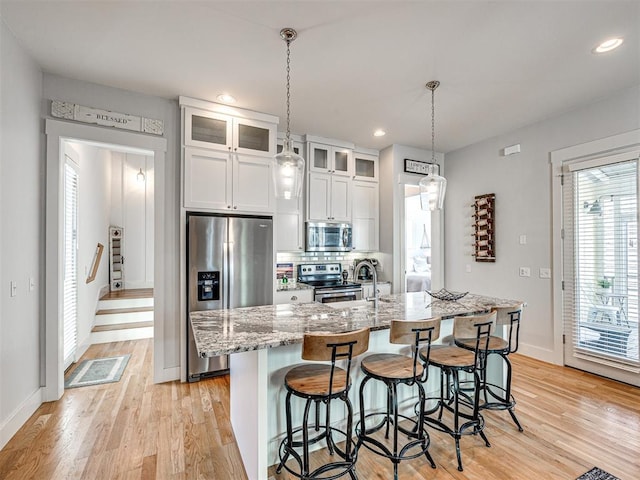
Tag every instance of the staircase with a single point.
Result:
(124, 315)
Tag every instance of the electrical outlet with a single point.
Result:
(545, 273)
(523, 239)
(468, 268)
(525, 272)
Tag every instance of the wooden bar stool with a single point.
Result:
(460, 402)
(393, 370)
(322, 383)
(497, 397)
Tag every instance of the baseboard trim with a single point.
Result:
(19, 417)
(542, 354)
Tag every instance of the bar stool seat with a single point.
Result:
(314, 380)
(495, 343)
(389, 365)
(393, 370)
(320, 384)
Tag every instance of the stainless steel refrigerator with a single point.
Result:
(230, 264)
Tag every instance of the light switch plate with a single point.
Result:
(545, 273)
(14, 288)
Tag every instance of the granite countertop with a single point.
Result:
(221, 332)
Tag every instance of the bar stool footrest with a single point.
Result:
(325, 433)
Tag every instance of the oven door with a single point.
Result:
(338, 295)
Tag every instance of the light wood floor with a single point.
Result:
(134, 429)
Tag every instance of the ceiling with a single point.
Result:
(356, 65)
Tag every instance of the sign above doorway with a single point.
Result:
(106, 118)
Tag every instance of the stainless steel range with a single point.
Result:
(329, 285)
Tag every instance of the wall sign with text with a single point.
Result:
(106, 118)
(420, 167)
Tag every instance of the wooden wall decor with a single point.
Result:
(484, 248)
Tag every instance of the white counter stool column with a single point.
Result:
(395, 369)
(499, 397)
(456, 397)
(322, 383)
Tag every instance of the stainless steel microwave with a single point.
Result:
(329, 237)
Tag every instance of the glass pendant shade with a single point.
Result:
(432, 190)
(288, 172)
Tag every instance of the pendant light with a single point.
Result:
(288, 166)
(433, 186)
(140, 176)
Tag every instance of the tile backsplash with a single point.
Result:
(345, 259)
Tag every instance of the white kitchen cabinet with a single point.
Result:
(334, 159)
(365, 216)
(216, 180)
(220, 131)
(293, 296)
(365, 166)
(329, 198)
(383, 289)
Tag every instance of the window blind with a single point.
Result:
(70, 310)
(600, 209)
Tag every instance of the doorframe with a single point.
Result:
(57, 133)
(612, 145)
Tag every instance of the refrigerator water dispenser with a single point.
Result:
(208, 286)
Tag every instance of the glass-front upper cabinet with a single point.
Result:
(330, 159)
(206, 129)
(366, 166)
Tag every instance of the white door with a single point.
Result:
(70, 308)
(600, 271)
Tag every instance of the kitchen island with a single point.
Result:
(265, 342)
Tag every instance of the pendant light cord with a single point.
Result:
(288, 90)
(433, 125)
(432, 85)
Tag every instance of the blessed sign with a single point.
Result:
(420, 167)
(106, 118)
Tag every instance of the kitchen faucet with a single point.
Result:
(357, 268)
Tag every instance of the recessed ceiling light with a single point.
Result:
(379, 133)
(226, 98)
(608, 45)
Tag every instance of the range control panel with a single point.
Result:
(208, 286)
(320, 269)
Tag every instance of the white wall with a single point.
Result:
(84, 93)
(21, 234)
(94, 207)
(133, 211)
(522, 184)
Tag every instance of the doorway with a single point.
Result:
(417, 248)
(58, 134)
(600, 271)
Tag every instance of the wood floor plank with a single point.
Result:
(136, 430)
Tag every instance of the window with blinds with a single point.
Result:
(601, 260)
(70, 264)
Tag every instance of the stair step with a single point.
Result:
(128, 294)
(119, 311)
(121, 335)
(122, 326)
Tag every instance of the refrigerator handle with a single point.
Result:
(226, 277)
(230, 274)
